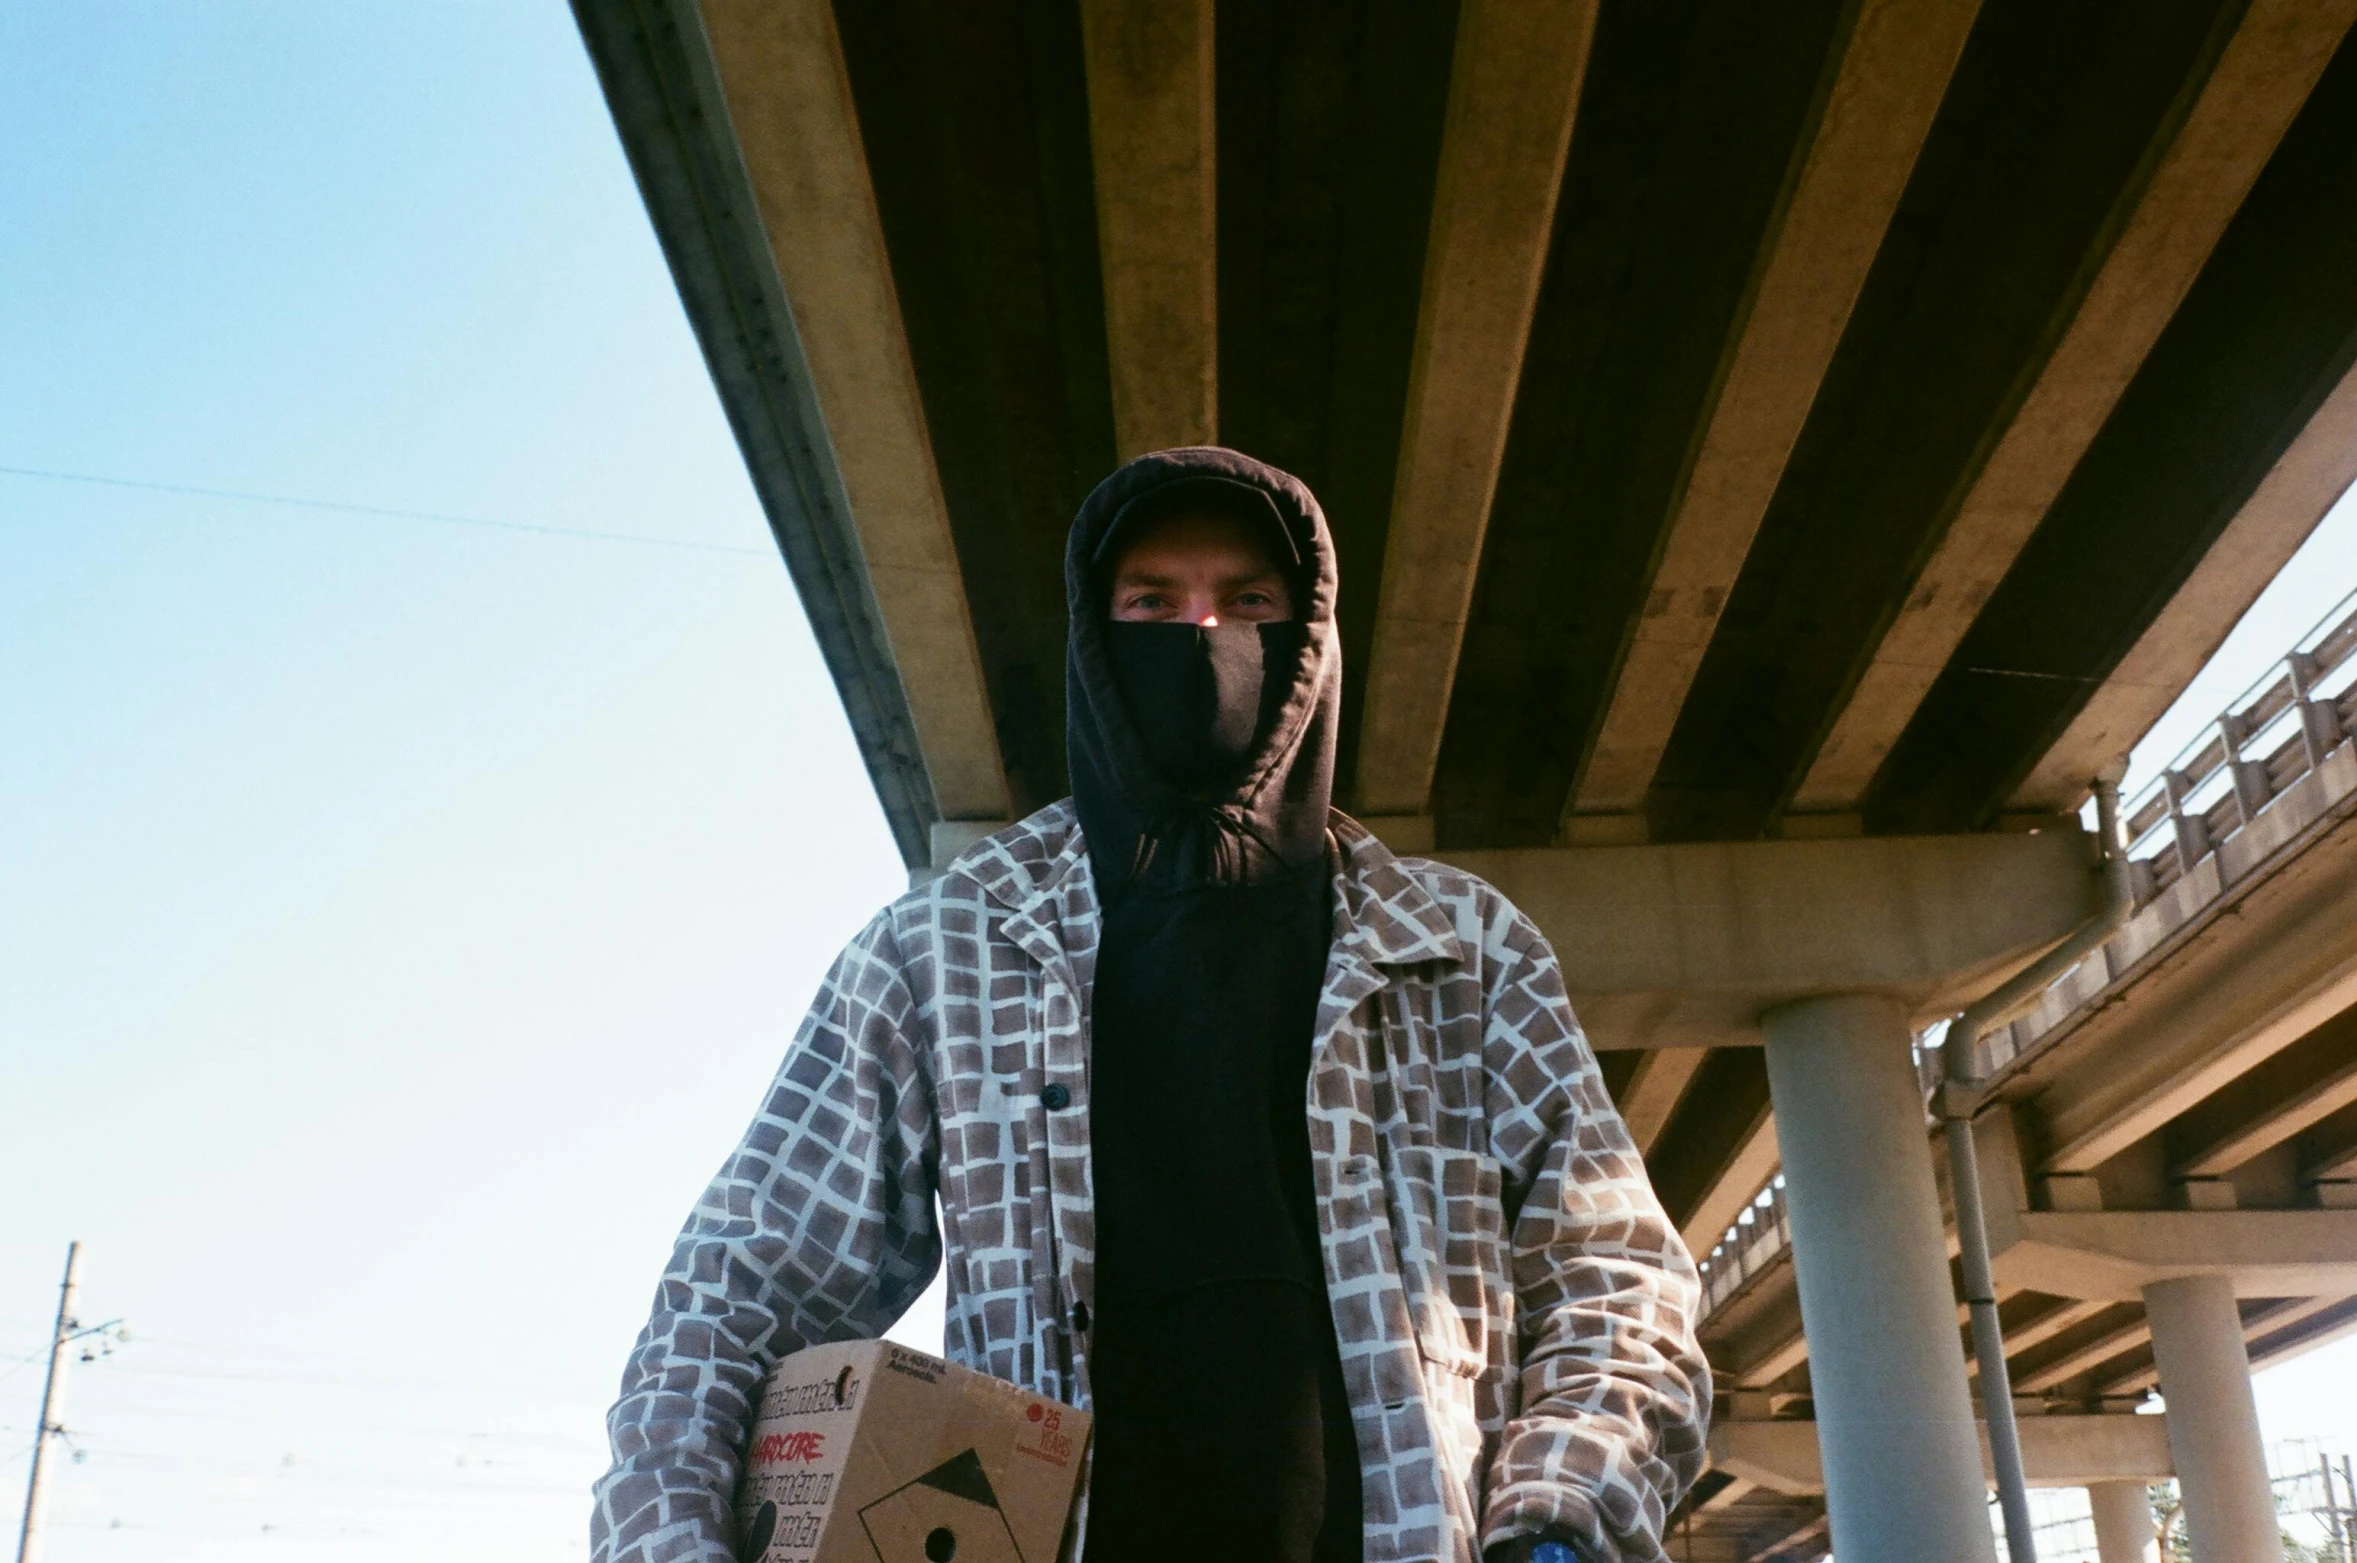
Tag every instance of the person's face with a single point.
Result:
(1204, 569)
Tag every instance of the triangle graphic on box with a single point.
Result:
(962, 1476)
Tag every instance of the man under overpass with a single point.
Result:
(1282, 1154)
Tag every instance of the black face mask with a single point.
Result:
(1202, 700)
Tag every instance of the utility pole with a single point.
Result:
(28, 1541)
(2347, 1539)
(2332, 1510)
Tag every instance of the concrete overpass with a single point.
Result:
(1778, 454)
(2182, 1105)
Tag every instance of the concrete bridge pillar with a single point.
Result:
(1894, 1420)
(2123, 1523)
(2205, 1374)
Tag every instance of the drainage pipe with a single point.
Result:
(1959, 1099)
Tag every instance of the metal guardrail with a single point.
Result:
(2238, 799)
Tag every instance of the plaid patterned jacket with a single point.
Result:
(1515, 1312)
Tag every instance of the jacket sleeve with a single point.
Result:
(1615, 1392)
(819, 1228)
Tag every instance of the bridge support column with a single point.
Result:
(2205, 1374)
(1886, 1365)
(2123, 1523)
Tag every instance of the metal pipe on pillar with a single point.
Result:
(1894, 1419)
(1959, 1100)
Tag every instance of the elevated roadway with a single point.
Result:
(1778, 455)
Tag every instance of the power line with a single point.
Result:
(480, 1527)
(565, 1526)
(404, 1429)
(497, 1483)
(381, 512)
(503, 1389)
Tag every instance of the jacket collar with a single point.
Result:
(1027, 860)
(1038, 869)
(1384, 909)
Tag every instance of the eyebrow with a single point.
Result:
(1147, 578)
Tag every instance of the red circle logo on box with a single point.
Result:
(1036, 1412)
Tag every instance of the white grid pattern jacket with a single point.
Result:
(1514, 1310)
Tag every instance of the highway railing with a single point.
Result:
(2238, 801)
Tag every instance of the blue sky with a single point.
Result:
(398, 918)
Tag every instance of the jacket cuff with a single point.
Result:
(1534, 1511)
(1522, 1548)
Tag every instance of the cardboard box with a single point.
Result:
(868, 1452)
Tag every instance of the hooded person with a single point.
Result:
(1202, 761)
(1282, 1154)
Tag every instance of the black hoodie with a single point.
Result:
(1202, 766)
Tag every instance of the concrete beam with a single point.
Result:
(2253, 93)
(1652, 1093)
(1764, 1348)
(2057, 1451)
(2272, 1322)
(1685, 945)
(2240, 989)
(1740, 1179)
(2257, 1127)
(1514, 86)
(1893, 71)
(2330, 1149)
(1778, 1362)
(1152, 139)
(2117, 1253)
(781, 68)
(1801, 1534)
(2025, 1335)
(2067, 1314)
(2312, 473)
(2124, 1333)
(1733, 1491)
(2336, 1321)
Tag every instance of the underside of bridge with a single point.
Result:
(1745, 428)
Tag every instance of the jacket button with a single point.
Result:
(1055, 1098)
(1080, 1317)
